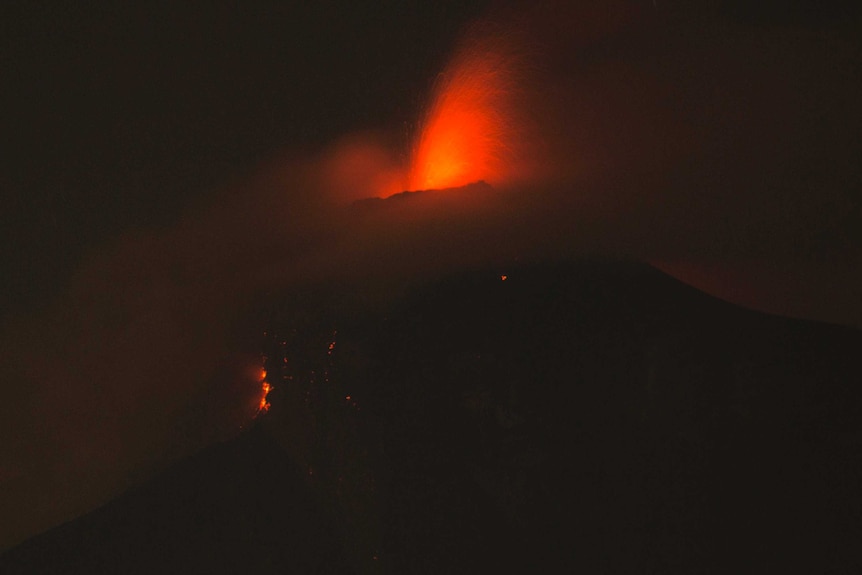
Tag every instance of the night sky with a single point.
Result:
(169, 167)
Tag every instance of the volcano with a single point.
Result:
(580, 415)
(479, 377)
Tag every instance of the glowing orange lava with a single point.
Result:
(469, 129)
(265, 388)
(264, 404)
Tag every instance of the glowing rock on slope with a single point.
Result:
(265, 388)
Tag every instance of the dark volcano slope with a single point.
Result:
(587, 416)
(598, 416)
(237, 507)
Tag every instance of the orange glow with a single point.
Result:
(470, 127)
(265, 388)
(263, 407)
(362, 165)
(504, 278)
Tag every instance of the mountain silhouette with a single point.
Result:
(586, 415)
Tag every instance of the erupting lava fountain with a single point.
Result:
(473, 127)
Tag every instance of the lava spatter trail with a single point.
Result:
(474, 127)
